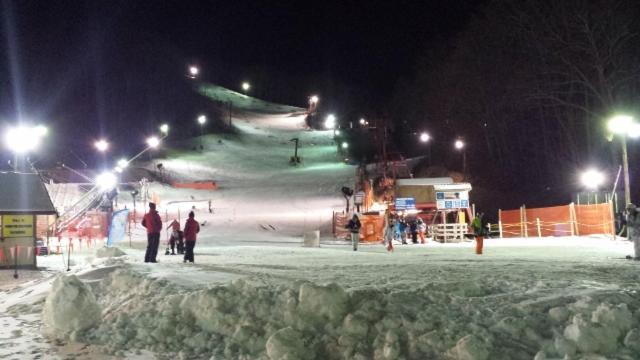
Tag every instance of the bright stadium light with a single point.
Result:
(118, 169)
(24, 139)
(336, 132)
(153, 142)
(106, 181)
(363, 121)
(246, 86)
(424, 137)
(459, 144)
(330, 121)
(123, 163)
(193, 71)
(313, 100)
(345, 145)
(620, 124)
(102, 145)
(592, 179)
(202, 119)
(164, 128)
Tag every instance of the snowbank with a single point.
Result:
(109, 252)
(70, 307)
(303, 320)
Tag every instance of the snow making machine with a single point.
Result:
(442, 204)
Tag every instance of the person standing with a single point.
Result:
(191, 230)
(479, 230)
(354, 227)
(176, 238)
(413, 229)
(422, 229)
(633, 230)
(152, 222)
(402, 227)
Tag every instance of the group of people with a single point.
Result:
(400, 227)
(184, 239)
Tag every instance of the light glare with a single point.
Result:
(620, 124)
(459, 144)
(202, 119)
(164, 128)
(106, 181)
(153, 142)
(424, 137)
(102, 145)
(23, 139)
(330, 122)
(592, 178)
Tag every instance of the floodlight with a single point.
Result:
(459, 144)
(620, 124)
(424, 137)
(330, 121)
(123, 163)
(592, 178)
(23, 139)
(102, 145)
(363, 121)
(153, 142)
(106, 181)
(164, 128)
(202, 119)
(193, 71)
(246, 86)
(345, 145)
(313, 99)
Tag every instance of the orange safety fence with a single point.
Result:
(198, 185)
(371, 231)
(563, 220)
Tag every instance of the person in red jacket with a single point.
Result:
(191, 229)
(153, 223)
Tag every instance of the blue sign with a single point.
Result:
(117, 227)
(405, 203)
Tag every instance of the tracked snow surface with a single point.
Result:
(255, 293)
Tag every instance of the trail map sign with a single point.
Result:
(452, 200)
(17, 226)
(405, 203)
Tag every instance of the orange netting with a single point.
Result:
(558, 221)
(371, 231)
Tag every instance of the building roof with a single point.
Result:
(22, 193)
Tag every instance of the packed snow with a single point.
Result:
(263, 295)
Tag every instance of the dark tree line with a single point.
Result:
(529, 85)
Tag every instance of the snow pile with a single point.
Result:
(109, 252)
(302, 320)
(70, 307)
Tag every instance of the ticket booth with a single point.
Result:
(26, 211)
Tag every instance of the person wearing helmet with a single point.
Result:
(354, 226)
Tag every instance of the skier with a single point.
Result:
(479, 230)
(413, 229)
(153, 223)
(177, 238)
(422, 228)
(402, 228)
(354, 227)
(633, 230)
(389, 231)
(191, 229)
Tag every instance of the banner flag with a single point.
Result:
(117, 226)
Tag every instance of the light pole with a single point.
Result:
(460, 146)
(202, 120)
(624, 126)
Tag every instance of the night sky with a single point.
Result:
(117, 68)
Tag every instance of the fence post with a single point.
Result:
(572, 219)
(521, 222)
(526, 225)
(500, 221)
(538, 225)
(613, 219)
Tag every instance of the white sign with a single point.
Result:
(358, 198)
(452, 200)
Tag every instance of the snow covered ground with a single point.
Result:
(556, 296)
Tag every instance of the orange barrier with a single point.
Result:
(198, 185)
(563, 220)
(372, 229)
